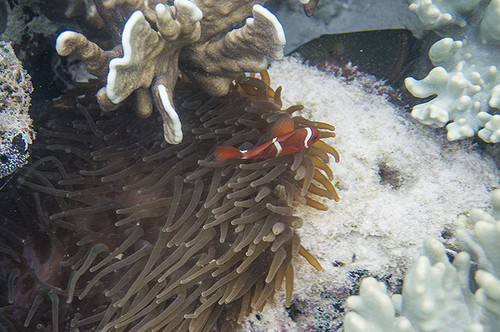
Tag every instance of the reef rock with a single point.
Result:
(15, 123)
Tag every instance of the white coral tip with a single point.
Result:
(278, 28)
(163, 12)
(489, 283)
(172, 128)
(495, 97)
(62, 42)
(186, 6)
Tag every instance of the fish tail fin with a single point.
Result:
(227, 152)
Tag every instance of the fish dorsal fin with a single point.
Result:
(282, 127)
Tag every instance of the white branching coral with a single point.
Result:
(439, 13)
(466, 79)
(437, 295)
(198, 37)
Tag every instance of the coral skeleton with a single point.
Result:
(158, 40)
(466, 78)
(439, 295)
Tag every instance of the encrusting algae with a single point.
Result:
(141, 235)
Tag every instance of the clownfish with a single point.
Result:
(287, 140)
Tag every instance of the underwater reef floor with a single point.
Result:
(399, 183)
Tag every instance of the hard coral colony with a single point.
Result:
(146, 62)
(153, 236)
(466, 78)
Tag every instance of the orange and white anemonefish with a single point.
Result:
(287, 140)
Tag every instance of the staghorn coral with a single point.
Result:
(439, 295)
(163, 237)
(157, 39)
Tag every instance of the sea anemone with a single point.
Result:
(140, 235)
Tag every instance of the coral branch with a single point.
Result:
(153, 39)
(96, 59)
(215, 64)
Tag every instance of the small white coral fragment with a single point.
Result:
(172, 127)
(444, 50)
